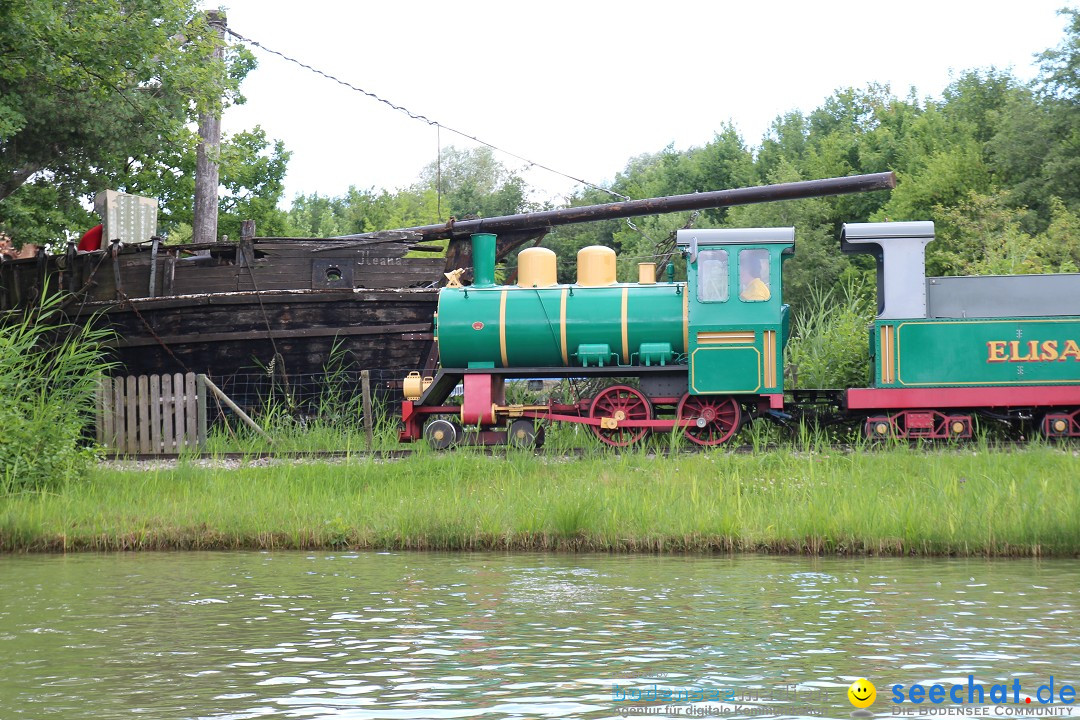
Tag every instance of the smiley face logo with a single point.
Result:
(862, 693)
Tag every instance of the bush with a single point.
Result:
(49, 371)
(830, 344)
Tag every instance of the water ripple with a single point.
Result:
(388, 635)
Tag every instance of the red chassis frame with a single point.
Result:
(914, 412)
(484, 392)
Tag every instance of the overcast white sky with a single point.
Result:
(584, 86)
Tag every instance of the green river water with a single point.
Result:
(429, 635)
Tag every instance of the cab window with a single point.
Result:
(712, 275)
(754, 276)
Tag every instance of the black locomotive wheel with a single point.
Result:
(618, 403)
(715, 418)
(442, 434)
(523, 434)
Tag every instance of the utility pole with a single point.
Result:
(205, 216)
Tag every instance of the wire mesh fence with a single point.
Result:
(331, 396)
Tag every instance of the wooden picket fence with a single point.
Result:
(152, 414)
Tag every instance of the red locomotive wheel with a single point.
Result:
(620, 402)
(717, 418)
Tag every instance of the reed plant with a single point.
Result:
(49, 373)
(829, 347)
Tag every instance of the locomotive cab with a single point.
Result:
(737, 322)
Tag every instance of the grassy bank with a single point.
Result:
(900, 501)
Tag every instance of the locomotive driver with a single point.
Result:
(751, 285)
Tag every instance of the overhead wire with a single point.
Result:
(421, 117)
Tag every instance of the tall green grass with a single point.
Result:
(49, 371)
(895, 501)
(829, 346)
(332, 420)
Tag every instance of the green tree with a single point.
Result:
(102, 94)
(1034, 149)
(473, 182)
(251, 172)
(984, 235)
(319, 216)
(82, 84)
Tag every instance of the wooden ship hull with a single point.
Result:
(224, 308)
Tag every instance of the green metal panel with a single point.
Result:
(728, 353)
(594, 317)
(655, 315)
(965, 352)
(734, 369)
(874, 373)
(785, 325)
(532, 327)
(478, 325)
(467, 321)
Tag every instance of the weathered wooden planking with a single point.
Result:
(312, 317)
(144, 413)
(266, 252)
(200, 425)
(179, 428)
(152, 414)
(301, 332)
(131, 426)
(119, 408)
(224, 333)
(105, 412)
(269, 319)
(278, 267)
(191, 411)
(168, 438)
(155, 413)
(282, 297)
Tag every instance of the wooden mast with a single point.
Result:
(204, 222)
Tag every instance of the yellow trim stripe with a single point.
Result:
(883, 341)
(770, 358)
(562, 327)
(686, 319)
(502, 328)
(625, 330)
(725, 337)
(886, 354)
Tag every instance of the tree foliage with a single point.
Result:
(103, 94)
(464, 183)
